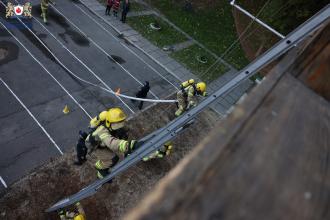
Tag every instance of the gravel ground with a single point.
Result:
(29, 197)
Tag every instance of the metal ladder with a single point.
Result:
(156, 139)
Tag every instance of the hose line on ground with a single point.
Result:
(93, 84)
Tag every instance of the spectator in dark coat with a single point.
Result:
(125, 9)
(109, 5)
(142, 93)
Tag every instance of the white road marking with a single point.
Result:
(34, 118)
(67, 92)
(101, 49)
(129, 49)
(3, 182)
(91, 71)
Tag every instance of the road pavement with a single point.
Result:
(38, 81)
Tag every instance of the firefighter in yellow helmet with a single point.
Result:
(44, 8)
(107, 145)
(187, 95)
(81, 148)
(77, 214)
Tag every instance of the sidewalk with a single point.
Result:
(175, 70)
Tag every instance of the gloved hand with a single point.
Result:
(145, 159)
(166, 149)
(169, 150)
(136, 144)
(61, 213)
(133, 145)
(190, 105)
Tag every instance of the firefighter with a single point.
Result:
(120, 133)
(187, 95)
(44, 8)
(78, 214)
(81, 148)
(107, 144)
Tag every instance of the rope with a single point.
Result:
(93, 84)
(252, 31)
(236, 41)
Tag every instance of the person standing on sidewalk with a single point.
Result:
(142, 93)
(125, 9)
(109, 6)
(116, 5)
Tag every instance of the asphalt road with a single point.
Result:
(36, 129)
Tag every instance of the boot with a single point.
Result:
(79, 162)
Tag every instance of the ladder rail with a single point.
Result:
(156, 139)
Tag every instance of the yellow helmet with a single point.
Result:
(79, 217)
(115, 118)
(103, 116)
(97, 120)
(201, 88)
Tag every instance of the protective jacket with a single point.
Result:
(186, 98)
(107, 149)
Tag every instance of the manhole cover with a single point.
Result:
(155, 26)
(201, 59)
(3, 53)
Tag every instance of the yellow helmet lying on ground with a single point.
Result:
(201, 88)
(115, 118)
(98, 119)
(79, 217)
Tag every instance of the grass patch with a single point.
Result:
(188, 57)
(283, 15)
(166, 36)
(212, 25)
(134, 6)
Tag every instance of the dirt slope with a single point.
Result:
(29, 197)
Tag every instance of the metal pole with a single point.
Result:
(257, 20)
